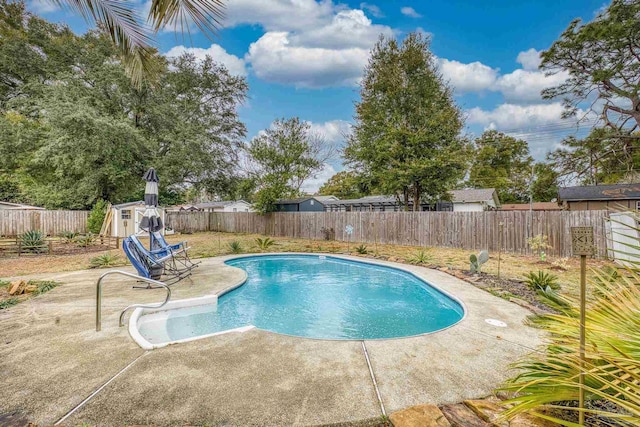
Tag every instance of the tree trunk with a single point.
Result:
(416, 198)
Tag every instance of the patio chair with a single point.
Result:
(180, 250)
(173, 266)
(152, 266)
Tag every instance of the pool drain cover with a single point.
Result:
(494, 322)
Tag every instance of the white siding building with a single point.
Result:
(226, 206)
(475, 200)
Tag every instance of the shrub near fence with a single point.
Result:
(51, 223)
(464, 230)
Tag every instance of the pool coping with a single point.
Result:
(213, 299)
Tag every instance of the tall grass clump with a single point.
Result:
(548, 381)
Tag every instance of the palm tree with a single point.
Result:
(133, 38)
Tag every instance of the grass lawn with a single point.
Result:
(214, 244)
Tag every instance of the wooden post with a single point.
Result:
(582, 244)
(117, 242)
(500, 228)
(50, 247)
(19, 247)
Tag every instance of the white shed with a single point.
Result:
(475, 200)
(125, 218)
(226, 206)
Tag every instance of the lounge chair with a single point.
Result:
(180, 250)
(154, 264)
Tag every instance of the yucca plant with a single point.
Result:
(106, 260)
(265, 243)
(541, 280)
(69, 236)
(362, 250)
(235, 247)
(43, 286)
(86, 240)
(420, 257)
(33, 241)
(612, 368)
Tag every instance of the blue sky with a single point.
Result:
(304, 58)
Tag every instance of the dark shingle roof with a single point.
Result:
(600, 192)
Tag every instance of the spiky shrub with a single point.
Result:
(33, 241)
(541, 280)
(106, 260)
(86, 240)
(235, 247)
(421, 257)
(8, 303)
(69, 236)
(43, 286)
(264, 244)
(362, 250)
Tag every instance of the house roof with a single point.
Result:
(600, 192)
(297, 201)
(10, 205)
(474, 195)
(325, 198)
(537, 206)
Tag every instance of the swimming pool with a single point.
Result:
(315, 297)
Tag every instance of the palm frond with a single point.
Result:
(207, 15)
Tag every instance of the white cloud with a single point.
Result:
(529, 59)
(333, 131)
(513, 116)
(313, 184)
(348, 28)
(473, 77)
(526, 86)
(275, 59)
(234, 64)
(410, 12)
(372, 9)
(43, 6)
(279, 15)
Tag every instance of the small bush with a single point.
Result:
(420, 257)
(33, 241)
(265, 243)
(539, 244)
(86, 240)
(541, 280)
(561, 263)
(96, 216)
(235, 247)
(362, 250)
(106, 260)
(8, 303)
(69, 236)
(43, 286)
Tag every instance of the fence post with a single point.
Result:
(117, 242)
(50, 247)
(19, 247)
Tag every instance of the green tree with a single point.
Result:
(600, 158)
(345, 185)
(73, 127)
(407, 131)
(285, 155)
(96, 216)
(602, 59)
(545, 183)
(502, 162)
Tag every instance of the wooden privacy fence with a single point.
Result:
(464, 230)
(51, 223)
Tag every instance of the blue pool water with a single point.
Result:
(316, 297)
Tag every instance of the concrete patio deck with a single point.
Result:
(52, 359)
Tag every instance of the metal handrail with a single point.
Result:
(124, 273)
